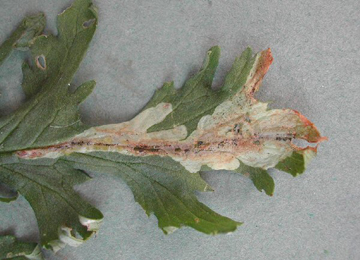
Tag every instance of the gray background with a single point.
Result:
(141, 44)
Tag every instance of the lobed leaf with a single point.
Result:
(161, 186)
(45, 149)
(196, 98)
(47, 185)
(51, 113)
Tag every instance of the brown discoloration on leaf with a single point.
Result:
(261, 68)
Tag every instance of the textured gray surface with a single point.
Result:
(140, 44)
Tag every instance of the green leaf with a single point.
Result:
(296, 163)
(260, 177)
(51, 115)
(47, 185)
(10, 248)
(158, 154)
(23, 36)
(161, 186)
(196, 98)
